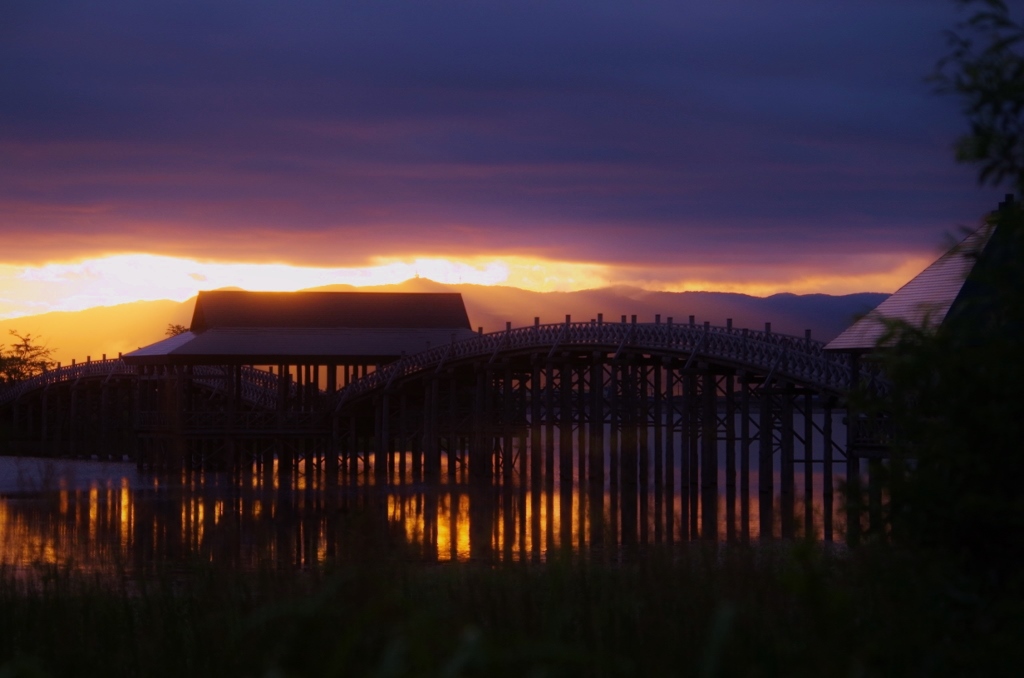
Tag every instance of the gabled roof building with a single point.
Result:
(322, 328)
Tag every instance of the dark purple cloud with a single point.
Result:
(599, 131)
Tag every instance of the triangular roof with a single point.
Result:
(929, 297)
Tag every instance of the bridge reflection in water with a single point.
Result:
(578, 436)
(136, 521)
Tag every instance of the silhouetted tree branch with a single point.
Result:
(24, 360)
(985, 69)
(174, 330)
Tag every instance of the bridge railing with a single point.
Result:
(93, 368)
(797, 358)
(772, 353)
(259, 387)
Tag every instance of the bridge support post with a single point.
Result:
(670, 449)
(659, 450)
(745, 387)
(382, 454)
(285, 464)
(628, 456)
(507, 467)
(826, 472)
(535, 425)
(565, 422)
(678, 439)
(453, 427)
(549, 425)
(808, 465)
(73, 423)
(479, 454)
(330, 455)
(176, 393)
(730, 455)
(616, 428)
(709, 456)
(403, 435)
(691, 442)
(853, 482)
(788, 473)
(596, 448)
(46, 444)
(644, 462)
(430, 444)
(489, 450)
(766, 464)
(596, 417)
(353, 450)
(582, 435)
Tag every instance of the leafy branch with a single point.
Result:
(25, 359)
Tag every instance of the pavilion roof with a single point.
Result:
(232, 308)
(268, 328)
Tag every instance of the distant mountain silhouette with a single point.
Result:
(102, 329)
(110, 329)
(491, 307)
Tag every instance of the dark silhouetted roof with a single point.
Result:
(268, 328)
(220, 309)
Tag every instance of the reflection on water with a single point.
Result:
(98, 515)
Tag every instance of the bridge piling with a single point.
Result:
(649, 418)
(565, 421)
(657, 422)
(692, 441)
(729, 381)
(709, 456)
(808, 415)
(745, 440)
(535, 424)
(597, 423)
(788, 471)
(766, 465)
(853, 528)
(507, 466)
(827, 483)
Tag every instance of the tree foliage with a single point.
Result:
(985, 70)
(954, 479)
(957, 406)
(25, 359)
(174, 330)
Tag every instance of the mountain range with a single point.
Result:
(126, 327)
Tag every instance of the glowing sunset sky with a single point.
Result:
(149, 150)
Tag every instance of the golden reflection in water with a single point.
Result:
(232, 520)
(462, 523)
(93, 506)
(125, 516)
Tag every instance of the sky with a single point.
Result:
(151, 150)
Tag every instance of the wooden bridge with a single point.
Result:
(626, 407)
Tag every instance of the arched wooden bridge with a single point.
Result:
(674, 408)
(794, 359)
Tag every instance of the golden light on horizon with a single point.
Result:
(123, 278)
(881, 274)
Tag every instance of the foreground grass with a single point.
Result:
(790, 610)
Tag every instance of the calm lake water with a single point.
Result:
(96, 515)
